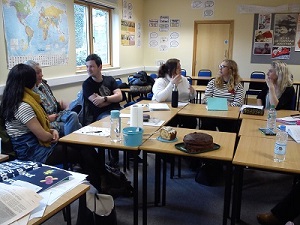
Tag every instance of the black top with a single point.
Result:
(104, 88)
(286, 100)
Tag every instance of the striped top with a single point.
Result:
(234, 98)
(17, 126)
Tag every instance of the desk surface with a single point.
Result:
(199, 110)
(199, 88)
(3, 157)
(225, 140)
(258, 153)
(61, 203)
(280, 114)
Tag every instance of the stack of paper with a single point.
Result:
(252, 106)
(294, 132)
(288, 120)
(158, 107)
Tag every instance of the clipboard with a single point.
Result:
(217, 104)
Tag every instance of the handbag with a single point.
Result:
(100, 209)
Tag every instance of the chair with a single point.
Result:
(204, 73)
(255, 87)
(119, 81)
(130, 77)
(183, 72)
(153, 75)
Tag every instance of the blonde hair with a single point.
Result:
(234, 78)
(284, 76)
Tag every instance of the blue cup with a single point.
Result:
(133, 136)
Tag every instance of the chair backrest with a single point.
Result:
(189, 79)
(153, 75)
(119, 81)
(204, 73)
(183, 72)
(130, 77)
(257, 75)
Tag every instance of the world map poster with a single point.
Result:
(36, 30)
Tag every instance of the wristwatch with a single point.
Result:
(105, 98)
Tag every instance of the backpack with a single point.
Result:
(141, 79)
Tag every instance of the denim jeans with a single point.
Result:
(68, 122)
(27, 147)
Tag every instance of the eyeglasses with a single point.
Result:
(222, 66)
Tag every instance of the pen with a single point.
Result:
(295, 115)
(97, 131)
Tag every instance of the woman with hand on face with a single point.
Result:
(226, 85)
(169, 74)
(279, 90)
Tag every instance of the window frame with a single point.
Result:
(90, 6)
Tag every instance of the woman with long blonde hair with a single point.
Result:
(227, 84)
(279, 90)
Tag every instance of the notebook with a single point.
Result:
(217, 104)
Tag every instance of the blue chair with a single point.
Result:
(119, 81)
(154, 75)
(204, 73)
(190, 80)
(183, 72)
(255, 87)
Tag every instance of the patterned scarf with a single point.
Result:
(34, 101)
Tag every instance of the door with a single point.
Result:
(213, 42)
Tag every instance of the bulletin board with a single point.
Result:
(270, 48)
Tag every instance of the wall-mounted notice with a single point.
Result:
(174, 39)
(153, 23)
(153, 40)
(281, 52)
(174, 22)
(197, 4)
(285, 26)
(127, 33)
(209, 11)
(138, 35)
(164, 24)
(127, 10)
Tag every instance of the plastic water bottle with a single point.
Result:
(280, 145)
(174, 96)
(115, 126)
(271, 122)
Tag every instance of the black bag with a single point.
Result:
(209, 174)
(141, 79)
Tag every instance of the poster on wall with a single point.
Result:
(281, 52)
(262, 48)
(297, 42)
(264, 21)
(138, 35)
(127, 33)
(209, 10)
(263, 36)
(153, 40)
(174, 22)
(174, 39)
(285, 29)
(46, 41)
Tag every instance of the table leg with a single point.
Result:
(164, 181)
(81, 218)
(135, 187)
(157, 179)
(237, 194)
(144, 189)
(227, 191)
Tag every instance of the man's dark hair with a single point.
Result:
(96, 58)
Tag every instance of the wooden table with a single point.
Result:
(199, 110)
(224, 154)
(280, 114)
(76, 193)
(3, 157)
(257, 153)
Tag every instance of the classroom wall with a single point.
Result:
(131, 58)
(223, 10)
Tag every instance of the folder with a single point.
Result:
(217, 104)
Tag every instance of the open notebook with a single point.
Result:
(294, 132)
(216, 104)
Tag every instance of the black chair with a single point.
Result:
(204, 73)
(255, 87)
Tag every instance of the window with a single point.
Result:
(92, 32)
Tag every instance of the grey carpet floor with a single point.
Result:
(189, 202)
